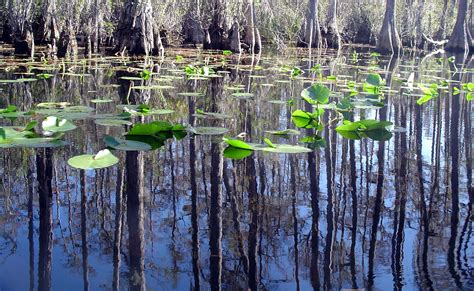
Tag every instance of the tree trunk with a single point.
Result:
(460, 39)
(217, 35)
(333, 37)
(47, 32)
(192, 27)
(135, 32)
(310, 34)
(234, 37)
(251, 32)
(67, 45)
(389, 40)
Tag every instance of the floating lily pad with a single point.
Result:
(242, 95)
(209, 130)
(101, 100)
(126, 145)
(112, 122)
(55, 124)
(102, 159)
(284, 132)
(236, 153)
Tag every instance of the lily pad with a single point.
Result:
(55, 124)
(112, 122)
(209, 130)
(126, 145)
(102, 159)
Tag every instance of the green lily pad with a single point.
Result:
(112, 122)
(102, 159)
(209, 130)
(55, 124)
(126, 145)
(236, 153)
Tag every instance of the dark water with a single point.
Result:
(356, 214)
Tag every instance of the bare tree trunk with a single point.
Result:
(217, 35)
(310, 34)
(20, 18)
(333, 37)
(251, 32)
(135, 32)
(460, 39)
(192, 27)
(389, 40)
(67, 45)
(47, 32)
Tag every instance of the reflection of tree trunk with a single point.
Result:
(253, 227)
(329, 152)
(118, 227)
(400, 200)
(44, 175)
(215, 217)
(294, 213)
(135, 216)
(194, 200)
(455, 148)
(31, 243)
(313, 168)
(85, 251)
(353, 171)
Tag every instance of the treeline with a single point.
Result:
(146, 26)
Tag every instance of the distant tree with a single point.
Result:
(389, 40)
(47, 26)
(217, 33)
(460, 39)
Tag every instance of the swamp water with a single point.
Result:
(370, 205)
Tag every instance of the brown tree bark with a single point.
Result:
(136, 32)
(310, 34)
(460, 39)
(192, 27)
(389, 40)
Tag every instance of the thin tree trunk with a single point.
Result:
(217, 35)
(389, 40)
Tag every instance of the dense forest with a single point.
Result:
(145, 26)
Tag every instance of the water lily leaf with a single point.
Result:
(315, 94)
(191, 94)
(236, 153)
(269, 142)
(19, 80)
(55, 124)
(374, 80)
(209, 130)
(237, 143)
(101, 100)
(112, 122)
(211, 115)
(284, 132)
(242, 95)
(286, 149)
(302, 119)
(102, 159)
(151, 128)
(126, 145)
